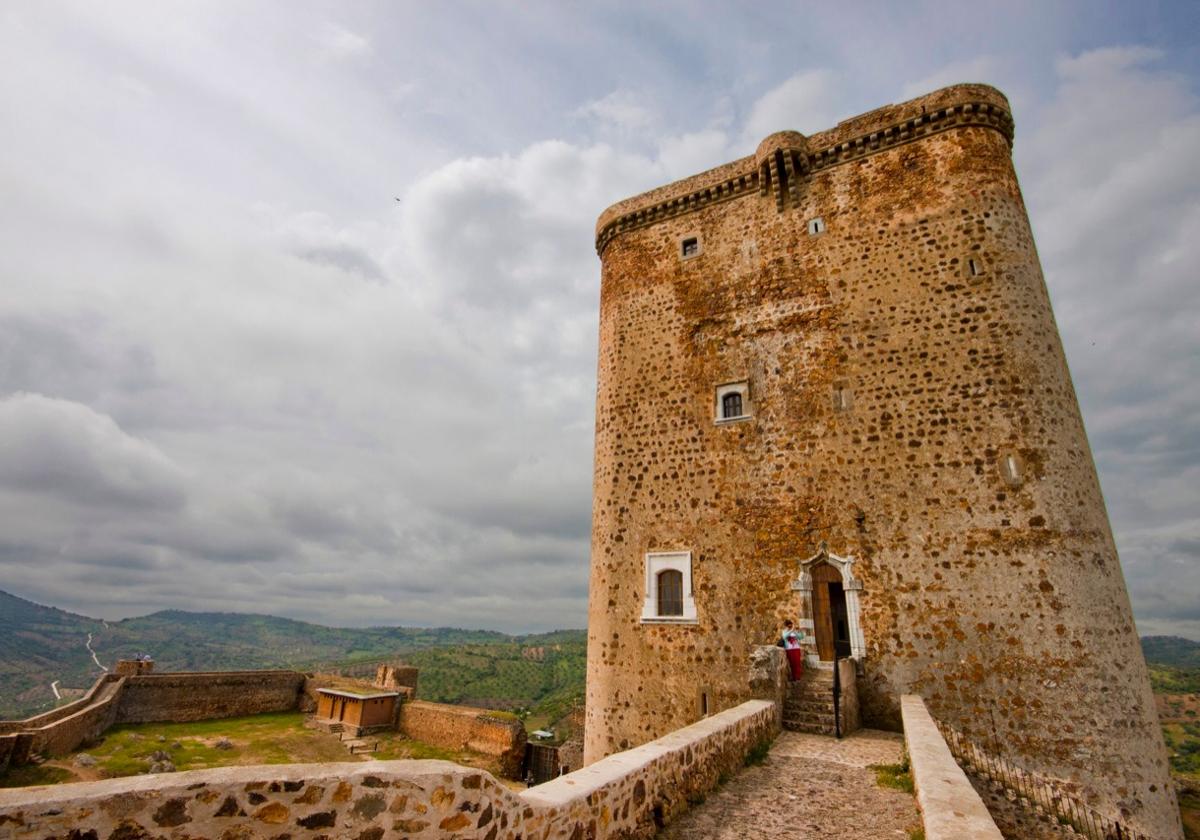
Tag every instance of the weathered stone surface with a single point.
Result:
(909, 405)
(171, 813)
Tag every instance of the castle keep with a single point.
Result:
(831, 388)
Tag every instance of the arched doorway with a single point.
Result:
(830, 608)
(831, 624)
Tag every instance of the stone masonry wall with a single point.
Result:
(203, 696)
(910, 406)
(83, 724)
(627, 796)
(155, 697)
(64, 711)
(466, 728)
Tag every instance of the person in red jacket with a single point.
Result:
(791, 646)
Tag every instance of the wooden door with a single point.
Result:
(822, 575)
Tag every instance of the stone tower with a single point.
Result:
(831, 388)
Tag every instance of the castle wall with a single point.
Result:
(57, 714)
(204, 696)
(627, 797)
(952, 466)
(466, 728)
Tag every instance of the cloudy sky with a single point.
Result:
(298, 300)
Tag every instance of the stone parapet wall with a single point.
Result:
(635, 793)
(82, 725)
(150, 698)
(466, 728)
(628, 795)
(950, 807)
(183, 697)
(46, 718)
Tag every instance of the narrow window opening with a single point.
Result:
(816, 225)
(1011, 468)
(731, 405)
(670, 593)
(975, 268)
(704, 704)
(690, 246)
(841, 399)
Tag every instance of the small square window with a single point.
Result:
(689, 247)
(974, 267)
(816, 226)
(732, 402)
(669, 588)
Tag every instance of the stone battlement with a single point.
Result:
(884, 128)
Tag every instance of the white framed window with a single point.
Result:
(689, 246)
(732, 402)
(816, 226)
(669, 588)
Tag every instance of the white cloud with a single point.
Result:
(979, 68)
(623, 110)
(340, 43)
(63, 449)
(807, 102)
(1113, 185)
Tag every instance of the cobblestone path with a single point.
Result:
(810, 786)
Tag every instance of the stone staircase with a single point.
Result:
(808, 706)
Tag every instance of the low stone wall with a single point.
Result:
(466, 728)
(626, 796)
(950, 807)
(769, 676)
(183, 697)
(633, 794)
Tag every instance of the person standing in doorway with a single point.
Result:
(791, 646)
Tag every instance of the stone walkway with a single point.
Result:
(810, 786)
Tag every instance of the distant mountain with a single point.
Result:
(41, 644)
(37, 645)
(1173, 651)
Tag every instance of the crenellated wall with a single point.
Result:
(630, 795)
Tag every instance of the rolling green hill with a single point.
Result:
(1172, 651)
(41, 644)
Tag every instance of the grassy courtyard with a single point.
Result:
(258, 739)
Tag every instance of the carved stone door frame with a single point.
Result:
(850, 585)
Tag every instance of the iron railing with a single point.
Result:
(1033, 791)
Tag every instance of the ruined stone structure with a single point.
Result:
(831, 387)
